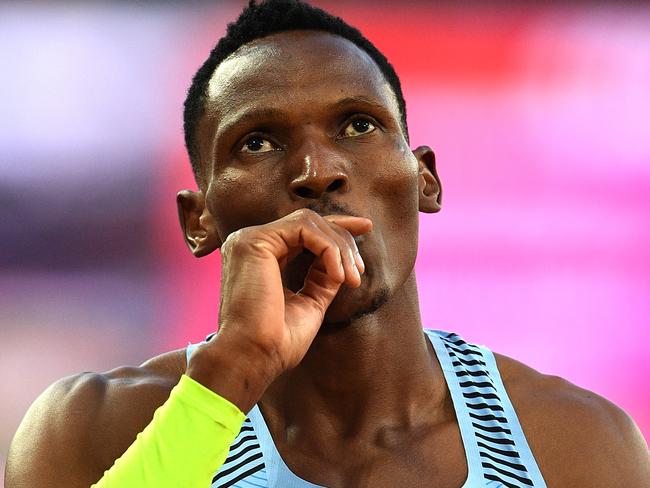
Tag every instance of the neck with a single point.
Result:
(376, 373)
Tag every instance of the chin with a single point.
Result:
(351, 304)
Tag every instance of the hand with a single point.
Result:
(262, 323)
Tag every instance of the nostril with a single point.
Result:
(317, 188)
(304, 192)
(335, 185)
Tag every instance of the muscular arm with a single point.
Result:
(81, 425)
(78, 427)
(578, 438)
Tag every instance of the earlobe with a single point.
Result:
(198, 225)
(429, 189)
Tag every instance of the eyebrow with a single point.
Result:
(249, 116)
(268, 113)
(359, 100)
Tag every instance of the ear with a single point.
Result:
(197, 223)
(430, 190)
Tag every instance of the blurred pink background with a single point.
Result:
(538, 116)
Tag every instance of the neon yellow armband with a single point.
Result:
(185, 443)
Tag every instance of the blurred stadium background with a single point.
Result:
(538, 116)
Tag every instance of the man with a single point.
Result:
(296, 130)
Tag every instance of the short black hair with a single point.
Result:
(259, 20)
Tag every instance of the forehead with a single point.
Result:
(293, 70)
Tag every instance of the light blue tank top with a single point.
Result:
(497, 452)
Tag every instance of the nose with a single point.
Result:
(320, 174)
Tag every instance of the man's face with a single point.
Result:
(307, 119)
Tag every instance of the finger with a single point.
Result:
(352, 259)
(359, 227)
(347, 247)
(319, 287)
(311, 235)
(354, 225)
(305, 229)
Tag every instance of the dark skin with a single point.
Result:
(296, 159)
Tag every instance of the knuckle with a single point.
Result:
(306, 214)
(235, 241)
(227, 245)
(305, 218)
(248, 241)
(230, 241)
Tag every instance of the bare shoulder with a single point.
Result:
(84, 422)
(578, 437)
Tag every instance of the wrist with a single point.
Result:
(233, 370)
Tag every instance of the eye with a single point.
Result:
(357, 127)
(257, 144)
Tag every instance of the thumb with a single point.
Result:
(319, 287)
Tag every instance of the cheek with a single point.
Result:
(231, 196)
(394, 184)
(394, 190)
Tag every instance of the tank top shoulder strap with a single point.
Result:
(497, 451)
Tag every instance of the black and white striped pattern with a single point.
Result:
(500, 459)
(498, 454)
(244, 466)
